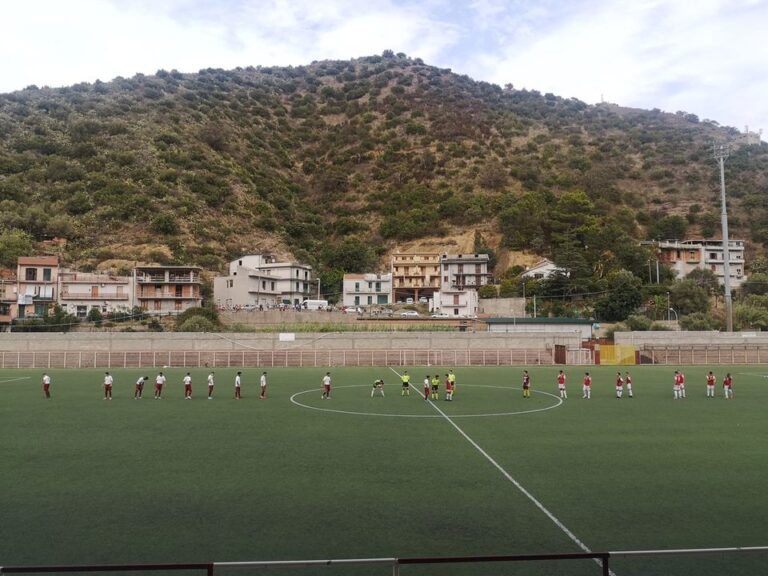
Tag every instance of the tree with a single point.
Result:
(622, 298)
(686, 297)
(704, 278)
(699, 321)
(749, 317)
(352, 255)
(756, 284)
(488, 291)
(668, 228)
(14, 243)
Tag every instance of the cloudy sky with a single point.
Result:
(706, 57)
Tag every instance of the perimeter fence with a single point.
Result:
(274, 358)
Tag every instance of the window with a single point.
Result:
(713, 256)
(297, 287)
(82, 311)
(177, 305)
(263, 284)
(382, 299)
(455, 299)
(357, 286)
(46, 274)
(30, 275)
(378, 286)
(158, 304)
(273, 286)
(370, 286)
(357, 300)
(179, 292)
(370, 300)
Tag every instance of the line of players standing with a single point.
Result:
(625, 381)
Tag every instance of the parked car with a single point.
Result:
(440, 315)
(409, 314)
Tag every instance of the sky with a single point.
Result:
(704, 57)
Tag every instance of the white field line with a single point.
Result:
(7, 380)
(517, 484)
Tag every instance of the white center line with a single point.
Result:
(517, 484)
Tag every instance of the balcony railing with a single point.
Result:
(90, 296)
(171, 280)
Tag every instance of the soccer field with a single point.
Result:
(297, 477)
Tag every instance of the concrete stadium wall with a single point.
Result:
(685, 338)
(206, 342)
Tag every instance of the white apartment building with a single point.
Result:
(687, 255)
(79, 292)
(258, 280)
(459, 303)
(366, 289)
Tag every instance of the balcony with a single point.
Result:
(66, 295)
(85, 278)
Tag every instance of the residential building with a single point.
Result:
(37, 283)
(79, 292)
(687, 255)
(415, 276)
(542, 269)
(366, 289)
(8, 299)
(464, 271)
(260, 280)
(459, 303)
(167, 289)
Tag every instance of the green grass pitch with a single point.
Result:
(297, 477)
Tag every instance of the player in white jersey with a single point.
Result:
(159, 382)
(263, 386)
(46, 385)
(187, 386)
(327, 386)
(211, 384)
(108, 381)
(139, 390)
(238, 383)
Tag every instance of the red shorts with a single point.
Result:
(108, 387)
(327, 387)
(159, 387)
(139, 387)
(46, 387)
(188, 388)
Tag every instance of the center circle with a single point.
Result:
(557, 404)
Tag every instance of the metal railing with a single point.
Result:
(602, 559)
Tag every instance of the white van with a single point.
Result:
(315, 304)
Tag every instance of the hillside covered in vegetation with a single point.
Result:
(337, 162)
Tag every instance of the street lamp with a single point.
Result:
(721, 153)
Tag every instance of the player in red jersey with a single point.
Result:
(619, 385)
(728, 387)
(526, 384)
(448, 388)
(561, 384)
(682, 384)
(46, 385)
(711, 384)
(628, 382)
(427, 385)
(586, 387)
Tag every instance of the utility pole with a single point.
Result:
(720, 153)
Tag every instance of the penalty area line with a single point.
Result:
(575, 539)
